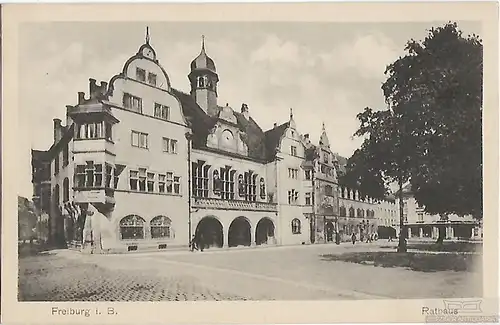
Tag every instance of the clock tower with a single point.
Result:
(203, 78)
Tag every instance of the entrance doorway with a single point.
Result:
(264, 232)
(239, 232)
(329, 231)
(210, 230)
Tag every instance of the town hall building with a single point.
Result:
(139, 164)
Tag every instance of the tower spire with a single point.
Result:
(203, 43)
(147, 34)
(324, 127)
(291, 113)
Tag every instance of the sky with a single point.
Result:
(326, 72)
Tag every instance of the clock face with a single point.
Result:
(227, 138)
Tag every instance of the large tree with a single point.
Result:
(431, 132)
(388, 149)
(437, 86)
(363, 174)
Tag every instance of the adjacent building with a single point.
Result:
(139, 164)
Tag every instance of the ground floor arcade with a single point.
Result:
(217, 229)
(451, 230)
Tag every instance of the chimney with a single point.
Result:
(93, 89)
(104, 87)
(57, 130)
(306, 136)
(275, 125)
(81, 97)
(244, 111)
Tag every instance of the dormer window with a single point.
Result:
(140, 74)
(293, 150)
(152, 79)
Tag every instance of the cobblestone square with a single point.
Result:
(276, 273)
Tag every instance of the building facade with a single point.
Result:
(142, 165)
(422, 225)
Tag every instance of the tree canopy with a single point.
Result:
(431, 134)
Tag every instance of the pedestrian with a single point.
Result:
(353, 238)
(390, 238)
(193, 243)
(201, 242)
(337, 238)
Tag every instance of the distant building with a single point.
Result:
(142, 165)
(420, 224)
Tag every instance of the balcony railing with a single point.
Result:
(219, 204)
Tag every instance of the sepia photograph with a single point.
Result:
(259, 161)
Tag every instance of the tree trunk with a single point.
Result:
(441, 230)
(402, 234)
(441, 235)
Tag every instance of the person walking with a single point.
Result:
(353, 238)
(193, 243)
(201, 242)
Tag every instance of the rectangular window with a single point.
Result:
(162, 111)
(227, 183)
(132, 103)
(140, 74)
(151, 182)
(308, 174)
(308, 199)
(293, 197)
(170, 181)
(200, 179)
(152, 79)
(177, 185)
(139, 140)
(293, 173)
(89, 175)
(134, 180)
(142, 179)
(108, 132)
(293, 150)
(326, 157)
(161, 183)
(169, 145)
(98, 175)
(80, 176)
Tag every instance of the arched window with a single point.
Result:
(66, 190)
(342, 211)
(328, 190)
(132, 227)
(262, 189)
(359, 214)
(373, 213)
(160, 227)
(351, 212)
(295, 226)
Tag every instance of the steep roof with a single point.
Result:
(272, 139)
(202, 123)
(199, 121)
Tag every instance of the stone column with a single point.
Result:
(472, 232)
(420, 232)
(409, 232)
(225, 235)
(452, 232)
(252, 237)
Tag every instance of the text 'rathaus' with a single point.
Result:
(142, 165)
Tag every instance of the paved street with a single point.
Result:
(276, 273)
